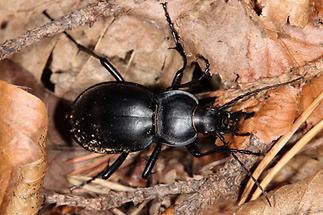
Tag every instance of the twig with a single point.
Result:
(117, 199)
(77, 180)
(225, 182)
(116, 211)
(137, 210)
(86, 15)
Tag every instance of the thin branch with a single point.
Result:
(117, 199)
(86, 15)
(224, 183)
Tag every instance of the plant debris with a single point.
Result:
(23, 131)
(249, 44)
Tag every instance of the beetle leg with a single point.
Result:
(106, 173)
(195, 151)
(109, 170)
(236, 117)
(104, 62)
(178, 47)
(244, 134)
(151, 161)
(245, 168)
(207, 101)
(111, 69)
(239, 114)
(205, 81)
(242, 151)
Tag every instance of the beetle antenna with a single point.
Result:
(253, 178)
(254, 92)
(245, 168)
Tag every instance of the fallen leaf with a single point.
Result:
(140, 53)
(57, 128)
(213, 29)
(138, 42)
(281, 12)
(274, 117)
(302, 165)
(23, 130)
(304, 197)
(14, 74)
(309, 92)
(169, 211)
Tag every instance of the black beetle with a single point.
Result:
(123, 117)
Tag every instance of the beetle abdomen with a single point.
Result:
(114, 116)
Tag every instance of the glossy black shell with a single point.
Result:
(113, 117)
(175, 118)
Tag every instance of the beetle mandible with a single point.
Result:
(124, 117)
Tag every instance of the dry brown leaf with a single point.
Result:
(280, 12)
(18, 17)
(214, 30)
(14, 74)
(169, 211)
(135, 43)
(274, 117)
(224, 208)
(23, 130)
(140, 53)
(65, 210)
(309, 93)
(210, 28)
(304, 197)
(302, 165)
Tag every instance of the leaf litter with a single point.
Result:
(138, 44)
(23, 131)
